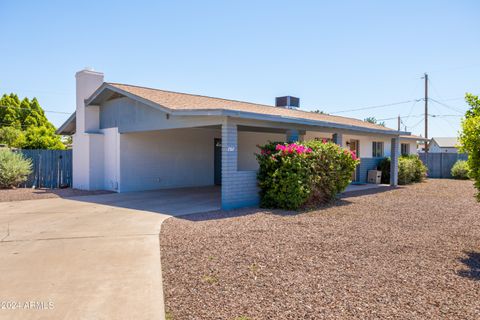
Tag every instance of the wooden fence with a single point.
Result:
(440, 164)
(50, 168)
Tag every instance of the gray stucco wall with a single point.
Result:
(167, 159)
(133, 116)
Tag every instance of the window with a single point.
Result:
(405, 148)
(377, 149)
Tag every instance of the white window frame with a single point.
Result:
(407, 149)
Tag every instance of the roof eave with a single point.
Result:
(92, 100)
(265, 117)
(62, 129)
(414, 138)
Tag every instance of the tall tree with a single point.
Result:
(29, 117)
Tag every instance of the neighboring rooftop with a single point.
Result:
(412, 137)
(446, 142)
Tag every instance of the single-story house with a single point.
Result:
(131, 138)
(443, 145)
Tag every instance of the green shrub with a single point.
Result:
(303, 174)
(460, 170)
(384, 166)
(332, 172)
(14, 168)
(410, 170)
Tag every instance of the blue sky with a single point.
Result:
(335, 56)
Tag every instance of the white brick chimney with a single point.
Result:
(87, 81)
(87, 140)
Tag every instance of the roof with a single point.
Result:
(446, 142)
(177, 101)
(412, 137)
(193, 104)
(69, 126)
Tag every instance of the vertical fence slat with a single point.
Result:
(50, 168)
(440, 164)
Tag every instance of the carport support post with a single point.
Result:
(395, 154)
(338, 139)
(229, 161)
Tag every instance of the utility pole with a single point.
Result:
(426, 113)
(398, 120)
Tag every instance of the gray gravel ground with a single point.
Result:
(34, 194)
(408, 253)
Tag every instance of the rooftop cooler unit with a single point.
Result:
(287, 102)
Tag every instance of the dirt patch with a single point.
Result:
(407, 253)
(34, 194)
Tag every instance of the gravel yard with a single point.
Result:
(408, 253)
(34, 194)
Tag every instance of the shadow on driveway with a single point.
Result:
(172, 202)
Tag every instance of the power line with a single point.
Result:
(416, 124)
(438, 101)
(49, 111)
(411, 109)
(39, 91)
(447, 106)
(374, 107)
(448, 122)
(416, 115)
(6, 124)
(452, 99)
(422, 115)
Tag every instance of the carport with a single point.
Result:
(130, 138)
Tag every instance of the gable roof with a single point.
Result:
(193, 104)
(176, 101)
(446, 142)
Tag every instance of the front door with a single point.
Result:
(354, 146)
(217, 161)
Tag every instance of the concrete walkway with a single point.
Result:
(364, 187)
(94, 257)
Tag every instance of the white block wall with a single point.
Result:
(88, 159)
(111, 156)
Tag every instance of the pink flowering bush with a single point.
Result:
(293, 148)
(303, 174)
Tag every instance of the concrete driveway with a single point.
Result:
(93, 257)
